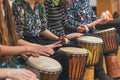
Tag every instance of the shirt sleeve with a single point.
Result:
(68, 15)
(68, 28)
(19, 19)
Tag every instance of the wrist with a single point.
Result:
(62, 38)
(27, 48)
(88, 25)
(5, 73)
(86, 28)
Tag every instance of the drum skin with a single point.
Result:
(48, 68)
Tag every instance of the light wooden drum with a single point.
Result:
(109, 38)
(49, 68)
(77, 61)
(94, 45)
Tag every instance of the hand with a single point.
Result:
(103, 21)
(21, 74)
(81, 29)
(73, 35)
(54, 45)
(38, 50)
(28, 54)
(64, 39)
(99, 21)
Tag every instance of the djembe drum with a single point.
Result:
(49, 68)
(109, 38)
(110, 50)
(94, 45)
(77, 61)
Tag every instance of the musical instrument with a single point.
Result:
(77, 61)
(49, 68)
(110, 50)
(94, 45)
(109, 38)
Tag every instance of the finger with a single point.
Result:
(30, 74)
(81, 34)
(57, 45)
(45, 53)
(51, 52)
(67, 42)
(58, 42)
(35, 55)
(25, 56)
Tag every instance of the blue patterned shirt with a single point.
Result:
(80, 13)
(35, 19)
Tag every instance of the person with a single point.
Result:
(30, 19)
(80, 13)
(6, 49)
(57, 23)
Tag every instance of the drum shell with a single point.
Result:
(45, 75)
(95, 48)
(77, 64)
(109, 37)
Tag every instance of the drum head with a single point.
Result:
(43, 63)
(74, 50)
(90, 39)
(106, 30)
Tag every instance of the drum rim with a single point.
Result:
(105, 30)
(45, 72)
(76, 54)
(43, 69)
(83, 41)
(91, 44)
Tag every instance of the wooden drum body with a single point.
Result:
(94, 45)
(109, 38)
(49, 68)
(77, 61)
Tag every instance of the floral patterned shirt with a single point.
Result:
(29, 22)
(80, 12)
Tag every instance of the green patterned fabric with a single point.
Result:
(16, 62)
(56, 2)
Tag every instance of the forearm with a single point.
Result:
(69, 28)
(3, 73)
(13, 50)
(22, 42)
(49, 35)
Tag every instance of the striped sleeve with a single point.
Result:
(68, 28)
